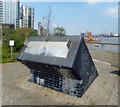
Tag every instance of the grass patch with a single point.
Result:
(6, 55)
(19, 35)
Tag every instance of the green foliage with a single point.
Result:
(93, 103)
(59, 31)
(19, 35)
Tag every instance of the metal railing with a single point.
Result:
(105, 52)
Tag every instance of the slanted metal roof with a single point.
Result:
(53, 51)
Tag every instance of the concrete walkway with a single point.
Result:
(17, 90)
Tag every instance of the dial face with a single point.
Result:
(53, 49)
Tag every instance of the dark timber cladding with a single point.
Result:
(60, 63)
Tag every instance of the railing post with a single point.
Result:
(102, 53)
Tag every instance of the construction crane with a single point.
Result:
(48, 23)
(45, 41)
(40, 25)
(89, 37)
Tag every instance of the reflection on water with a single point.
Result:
(105, 47)
(111, 44)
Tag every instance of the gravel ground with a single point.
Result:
(17, 90)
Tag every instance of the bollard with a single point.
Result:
(102, 53)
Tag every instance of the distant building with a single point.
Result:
(40, 29)
(39, 24)
(28, 13)
(21, 20)
(13, 12)
(9, 12)
(111, 34)
(1, 12)
(115, 35)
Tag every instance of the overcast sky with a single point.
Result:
(77, 17)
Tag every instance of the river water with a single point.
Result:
(111, 40)
(111, 44)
